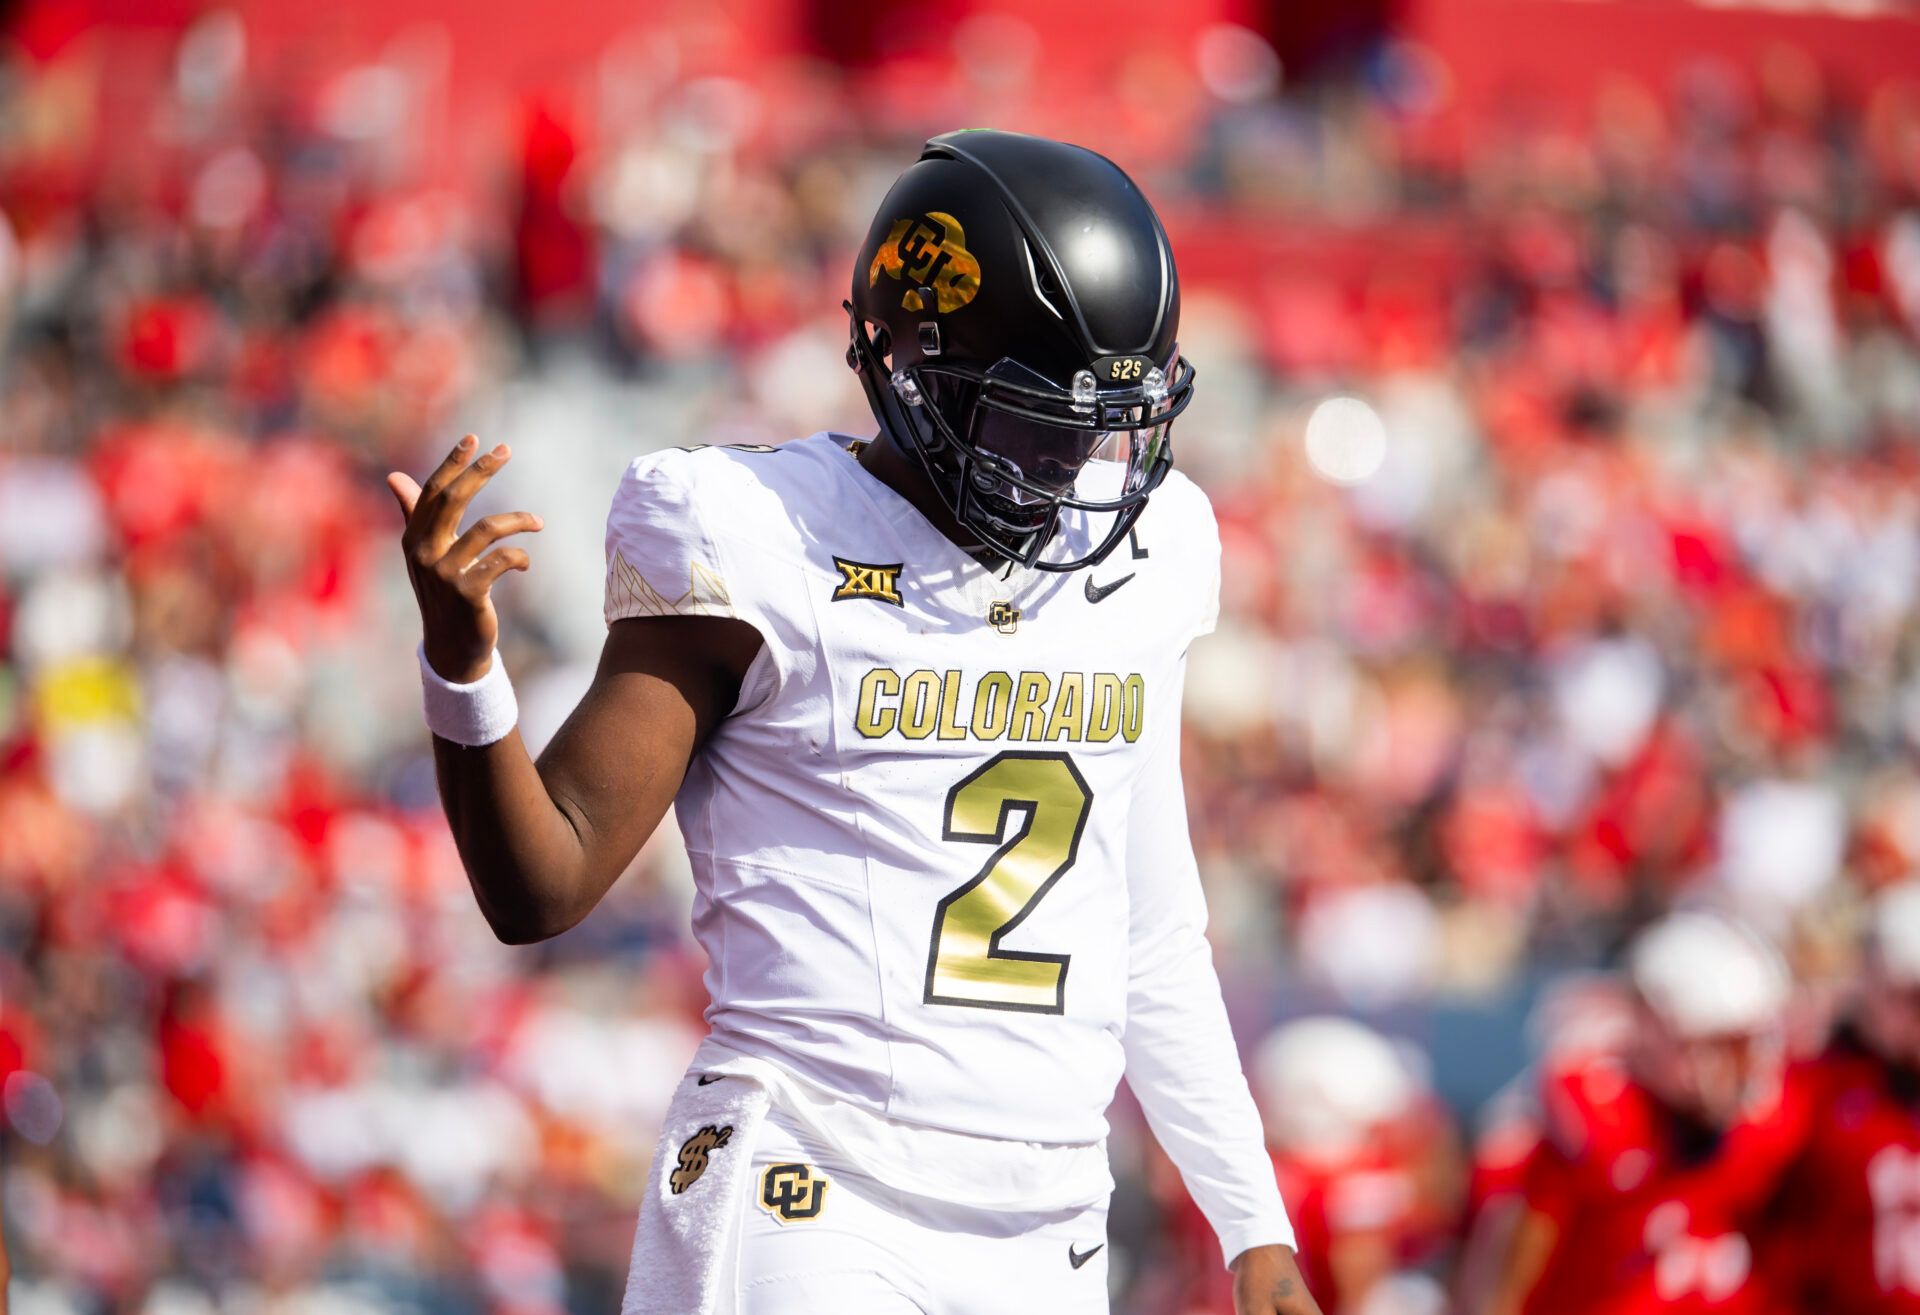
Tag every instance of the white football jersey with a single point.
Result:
(939, 843)
(909, 839)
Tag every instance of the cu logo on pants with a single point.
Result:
(792, 1191)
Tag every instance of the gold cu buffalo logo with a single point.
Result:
(928, 252)
(1004, 617)
(693, 1156)
(792, 1191)
(863, 580)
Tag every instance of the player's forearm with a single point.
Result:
(524, 855)
(543, 841)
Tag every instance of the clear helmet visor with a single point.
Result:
(1027, 461)
(1023, 469)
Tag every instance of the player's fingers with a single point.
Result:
(420, 540)
(452, 504)
(485, 532)
(478, 578)
(405, 492)
(443, 473)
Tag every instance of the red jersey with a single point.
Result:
(1850, 1226)
(1652, 1218)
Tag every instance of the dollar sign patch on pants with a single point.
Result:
(693, 1155)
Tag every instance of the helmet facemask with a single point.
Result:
(1716, 1080)
(1010, 451)
(1889, 1017)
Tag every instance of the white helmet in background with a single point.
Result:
(1889, 1013)
(1704, 976)
(1326, 1083)
(1714, 996)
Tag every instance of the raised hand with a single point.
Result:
(453, 573)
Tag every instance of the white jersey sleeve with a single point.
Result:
(1181, 1060)
(662, 560)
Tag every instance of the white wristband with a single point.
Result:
(474, 715)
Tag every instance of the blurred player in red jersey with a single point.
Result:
(1358, 1143)
(1365, 1159)
(1578, 1021)
(1654, 1176)
(1850, 1215)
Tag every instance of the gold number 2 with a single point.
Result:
(965, 965)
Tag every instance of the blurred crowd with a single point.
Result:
(1619, 617)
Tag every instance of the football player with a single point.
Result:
(1851, 1212)
(1654, 1177)
(1578, 1022)
(916, 699)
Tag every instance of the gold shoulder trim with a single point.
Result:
(630, 594)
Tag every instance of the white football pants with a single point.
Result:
(817, 1237)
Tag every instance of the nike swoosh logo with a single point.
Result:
(1079, 1258)
(705, 1078)
(1095, 592)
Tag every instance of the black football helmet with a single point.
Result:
(1013, 318)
